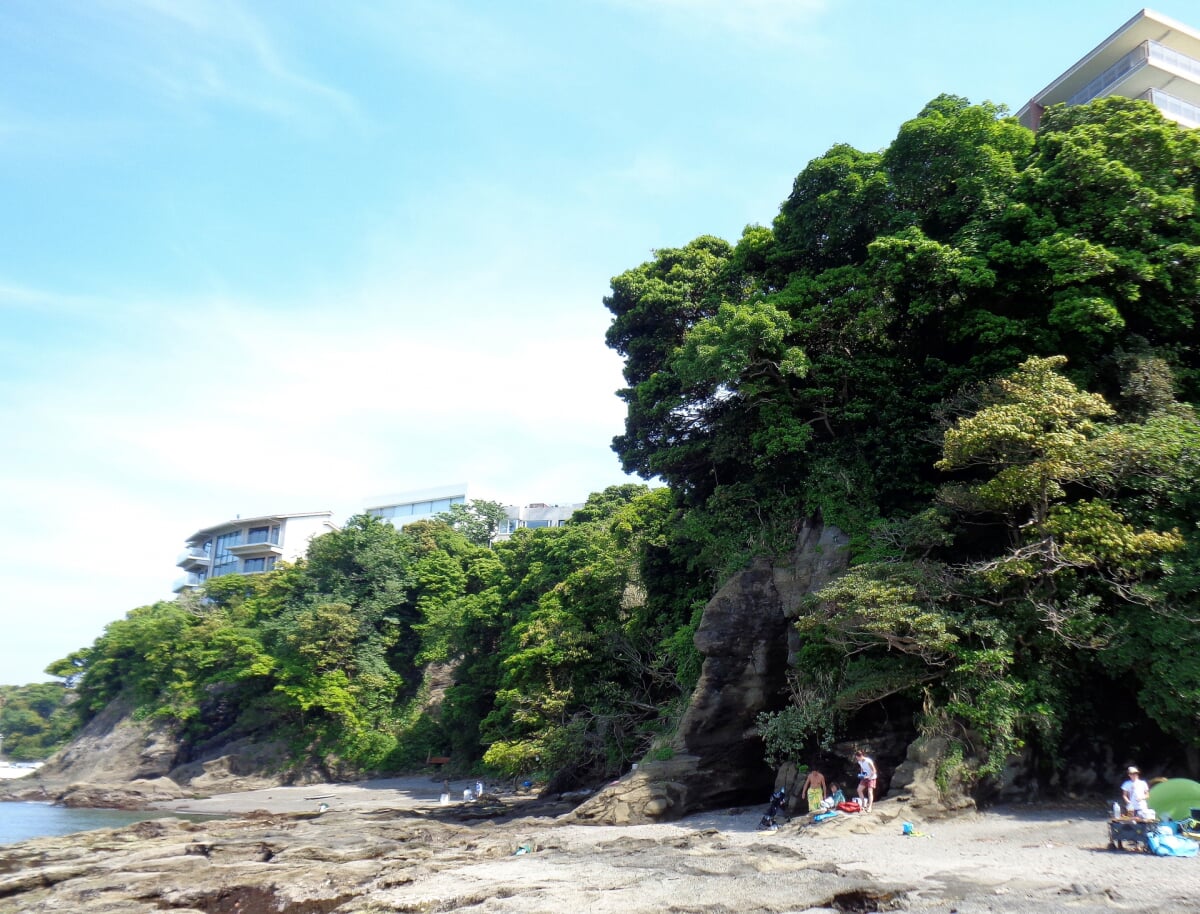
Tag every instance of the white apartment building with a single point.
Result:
(249, 545)
(1150, 57)
(255, 544)
(535, 515)
(403, 508)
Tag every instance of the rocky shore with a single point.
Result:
(390, 846)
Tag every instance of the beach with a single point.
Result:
(391, 846)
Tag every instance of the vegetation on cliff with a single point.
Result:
(974, 351)
(384, 647)
(35, 719)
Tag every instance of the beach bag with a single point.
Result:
(825, 816)
(849, 807)
(1172, 845)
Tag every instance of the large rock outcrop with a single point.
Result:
(121, 761)
(930, 788)
(716, 756)
(115, 760)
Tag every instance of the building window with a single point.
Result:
(252, 565)
(263, 534)
(225, 562)
(535, 524)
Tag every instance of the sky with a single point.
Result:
(282, 255)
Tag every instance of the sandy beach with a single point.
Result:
(383, 793)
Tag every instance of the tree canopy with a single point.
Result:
(949, 348)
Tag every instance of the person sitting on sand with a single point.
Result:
(814, 789)
(868, 776)
(835, 796)
(1136, 793)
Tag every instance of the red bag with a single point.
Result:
(849, 807)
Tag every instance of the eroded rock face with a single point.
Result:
(115, 761)
(113, 748)
(717, 756)
(917, 780)
(136, 794)
(119, 762)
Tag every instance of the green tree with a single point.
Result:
(478, 522)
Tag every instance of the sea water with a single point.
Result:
(22, 821)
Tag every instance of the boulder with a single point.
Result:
(240, 765)
(716, 756)
(134, 794)
(918, 782)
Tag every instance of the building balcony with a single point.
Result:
(251, 550)
(187, 582)
(1174, 108)
(1150, 65)
(193, 558)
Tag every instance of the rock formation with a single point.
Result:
(122, 762)
(716, 756)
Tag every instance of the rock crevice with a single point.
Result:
(716, 755)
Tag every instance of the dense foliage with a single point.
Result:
(976, 352)
(35, 720)
(384, 647)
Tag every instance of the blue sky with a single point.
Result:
(277, 256)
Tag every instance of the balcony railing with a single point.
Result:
(193, 556)
(186, 582)
(1175, 108)
(1174, 59)
(1146, 52)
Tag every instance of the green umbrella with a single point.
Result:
(1175, 798)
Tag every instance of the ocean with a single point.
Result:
(22, 821)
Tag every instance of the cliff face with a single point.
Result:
(716, 755)
(122, 762)
(114, 761)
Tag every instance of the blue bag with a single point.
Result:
(1172, 845)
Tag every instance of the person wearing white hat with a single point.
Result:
(1137, 794)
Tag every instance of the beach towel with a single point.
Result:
(814, 799)
(849, 807)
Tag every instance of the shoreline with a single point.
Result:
(412, 792)
(382, 845)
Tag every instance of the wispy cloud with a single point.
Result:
(218, 50)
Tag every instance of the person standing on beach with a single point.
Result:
(868, 776)
(814, 790)
(1137, 794)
